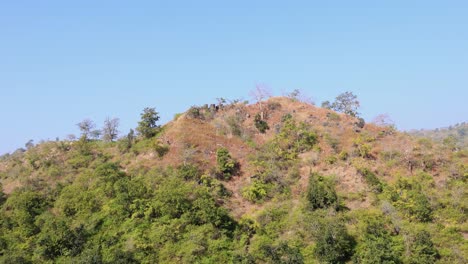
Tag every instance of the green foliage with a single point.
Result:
(58, 239)
(453, 137)
(346, 103)
(195, 112)
(334, 244)
(333, 142)
(282, 254)
(260, 124)
(321, 192)
(371, 179)
(234, 123)
(408, 196)
(343, 155)
(422, 249)
(362, 145)
(293, 139)
(377, 245)
(86, 201)
(226, 165)
(147, 126)
(189, 172)
(21, 209)
(126, 143)
(332, 116)
(256, 192)
(330, 160)
(360, 123)
(161, 149)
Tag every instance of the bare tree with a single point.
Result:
(383, 120)
(259, 94)
(110, 131)
(87, 128)
(301, 96)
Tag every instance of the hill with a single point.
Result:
(277, 181)
(456, 135)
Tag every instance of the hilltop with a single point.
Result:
(276, 181)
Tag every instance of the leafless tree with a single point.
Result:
(383, 120)
(110, 131)
(259, 94)
(87, 128)
(301, 96)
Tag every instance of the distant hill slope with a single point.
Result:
(278, 181)
(456, 134)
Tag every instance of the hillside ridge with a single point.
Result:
(271, 174)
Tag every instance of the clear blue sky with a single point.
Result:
(64, 61)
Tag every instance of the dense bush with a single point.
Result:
(260, 124)
(226, 165)
(377, 245)
(321, 192)
(407, 195)
(334, 244)
(371, 179)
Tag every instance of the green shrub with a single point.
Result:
(334, 244)
(408, 196)
(161, 149)
(371, 179)
(343, 155)
(282, 254)
(234, 123)
(255, 192)
(321, 192)
(331, 160)
(422, 249)
(362, 146)
(293, 139)
(332, 116)
(377, 245)
(333, 142)
(189, 172)
(176, 116)
(226, 165)
(260, 124)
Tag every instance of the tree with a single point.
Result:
(334, 244)
(326, 105)
(227, 166)
(383, 120)
(29, 144)
(346, 103)
(422, 249)
(298, 95)
(377, 245)
(147, 127)
(109, 131)
(321, 192)
(87, 128)
(259, 94)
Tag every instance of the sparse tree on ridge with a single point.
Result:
(259, 94)
(383, 120)
(110, 131)
(326, 105)
(346, 103)
(87, 129)
(147, 126)
(301, 96)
